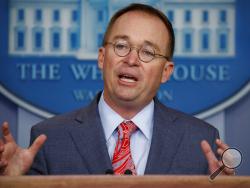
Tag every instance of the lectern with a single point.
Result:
(110, 181)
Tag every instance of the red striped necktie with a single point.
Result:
(122, 159)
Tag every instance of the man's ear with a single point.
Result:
(101, 54)
(167, 71)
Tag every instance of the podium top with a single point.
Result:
(109, 181)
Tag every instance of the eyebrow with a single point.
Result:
(152, 44)
(125, 37)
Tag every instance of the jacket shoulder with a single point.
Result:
(181, 119)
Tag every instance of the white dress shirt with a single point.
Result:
(140, 140)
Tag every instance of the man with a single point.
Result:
(125, 128)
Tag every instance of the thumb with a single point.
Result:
(37, 144)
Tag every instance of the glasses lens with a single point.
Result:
(146, 53)
(121, 48)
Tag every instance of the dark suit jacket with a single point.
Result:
(76, 143)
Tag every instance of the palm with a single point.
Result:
(213, 162)
(19, 159)
(15, 160)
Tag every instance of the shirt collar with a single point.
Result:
(144, 120)
(111, 120)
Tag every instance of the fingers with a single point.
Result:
(213, 162)
(5, 128)
(37, 144)
(221, 146)
(1, 148)
(228, 171)
(6, 133)
(3, 163)
(208, 152)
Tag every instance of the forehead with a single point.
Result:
(140, 27)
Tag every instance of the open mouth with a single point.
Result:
(128, 78)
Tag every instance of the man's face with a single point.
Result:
(129, 82)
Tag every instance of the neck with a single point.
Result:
(125, 109)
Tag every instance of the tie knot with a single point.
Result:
(126, 128)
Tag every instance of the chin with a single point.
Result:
(126, 98)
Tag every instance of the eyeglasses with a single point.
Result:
(146, 53)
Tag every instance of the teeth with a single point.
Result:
(127, 79)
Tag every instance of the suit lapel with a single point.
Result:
(166, 139)
(89, 138)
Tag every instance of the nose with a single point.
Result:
(133, 57)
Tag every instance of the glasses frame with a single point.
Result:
(138, 52)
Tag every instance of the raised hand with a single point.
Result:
(15, 160)
(213, 162)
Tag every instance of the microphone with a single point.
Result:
(109, 172)
(128, 172)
